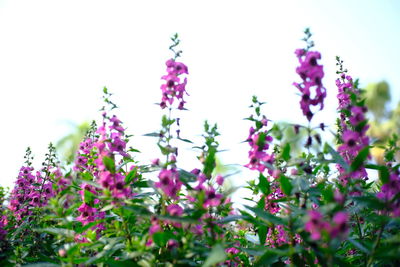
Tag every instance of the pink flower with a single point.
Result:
(311, 74)
(315, 225)
(87, 214)
(174, 87)
(213, 199)
(169, 182)
(220, 180)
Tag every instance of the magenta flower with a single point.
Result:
(212, 199)
(174, 87)
(87, 214)
(315, 225)
(311, 74)
(169, 182)
(259, 141)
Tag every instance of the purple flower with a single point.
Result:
(169, 182)
(174, 87)
(87, 214)
(212, 199)
(311, 74)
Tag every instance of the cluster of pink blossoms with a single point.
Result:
(353, 128)
(109, 145)
(174, 87)
(169, 182)
(311, 73)
(30, 191)
(389, 191)
(88, 213)
(316, 225)
(84, 156)
(212, 198)
(259, 141)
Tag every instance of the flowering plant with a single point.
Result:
(318, 207)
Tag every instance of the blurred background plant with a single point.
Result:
(384, 116)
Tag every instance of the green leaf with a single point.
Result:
(58, 231)
(209, 162)
(262, 233)
(267, 259)
(359, 159)
(216, 255)
(185, 140)
(161, 238)
(130, 176)
(359, 245)
(154, 134)
(264, 185)
(266, 216)
(369, 201)
(231, 218)
(286, 152)
(89, 197)
(177, 219)
(286, 185)
(109, 163)
(382, 170)
(186, 177)
(336, 157)
(108, 207)
(137, 210)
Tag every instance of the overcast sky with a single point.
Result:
(56, 56)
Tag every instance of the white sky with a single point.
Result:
(56, 56)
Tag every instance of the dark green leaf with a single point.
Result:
(359, 159)
(264, 185)
(286, 184)
(262, 233)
